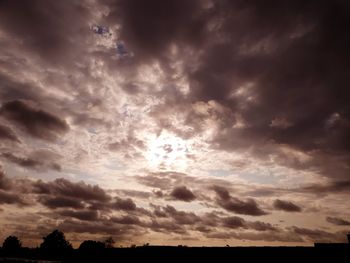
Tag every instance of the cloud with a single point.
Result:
(221, 192)
(50, 40)
(181, 217)
(182, 193)
(31, 163)
(235, 205)
(87, 215)
(9, 191)
(94, 227)
(270, 236)
(150, 28)
(317, 235)
(166, 227)
(127, 220)
(38, 123)
(54, 202)
(130, 142)
(7, 134)
(234, 222)
(328, 188)
(124, 204)
(262, 226)
(232, 80)
(12, 198)
(79, 190)
(5, 182)
(337, 221)
(286, 206)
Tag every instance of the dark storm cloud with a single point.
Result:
(221, 192)
(5, 182)
(285, 54)
(48, 34)
(182, 193)
(338, 221)
(21, 161)
(124, 204)
(37, 122)
(328, 188)
(281, 66)
(248, 207)
(60, 201)
(235, 205)
(9, 191)
(286, 206)
(7, 134)
(149, 28)
(11, 198)
(30, 163)
(79, 190)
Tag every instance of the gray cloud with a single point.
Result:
(5, 183)
(38, 123)
(12, 198)
(124, 204)
(54, 202)
(182, 193)
(66, 188)
(87, 215)
(31, 163)
(337, 221)
(7, 134)
(235, 205)
(286, 206)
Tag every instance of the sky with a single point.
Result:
(201, 123)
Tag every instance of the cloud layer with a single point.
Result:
(196, 122)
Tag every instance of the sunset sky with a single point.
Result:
(202, 123)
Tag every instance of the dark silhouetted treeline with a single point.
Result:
(55, 247)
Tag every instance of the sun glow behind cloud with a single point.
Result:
(167, 152)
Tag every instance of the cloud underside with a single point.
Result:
(77, 207)
(205, 120)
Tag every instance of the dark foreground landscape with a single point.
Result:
(154, 253)
(55, 248)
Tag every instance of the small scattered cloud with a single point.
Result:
(337, 221)
(286, 206)
(182, 193)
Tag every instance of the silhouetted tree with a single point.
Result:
(91, 245)
(55, 243)
(12, 244)
(109, 242)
